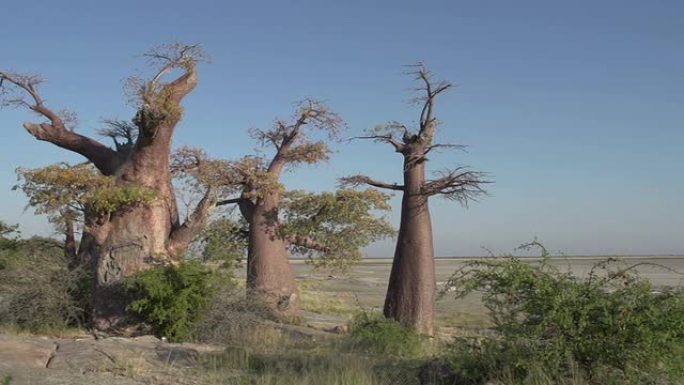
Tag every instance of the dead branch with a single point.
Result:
(458, 184)
(431, 89)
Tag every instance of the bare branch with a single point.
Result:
(458, 184)
(357, 180)
(176, 55)
(398, 146)
(123, 133)
(431, 90)
(166, 58)
(444, 145)
(317, 114)
(56, 131)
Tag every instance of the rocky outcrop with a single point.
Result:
(115, 360)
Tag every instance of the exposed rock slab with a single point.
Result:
(25, 352)
(115, 360)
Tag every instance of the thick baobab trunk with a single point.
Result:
(138, 237)
(135, 242)
(134, 236)
(269, 274)
(411, 290)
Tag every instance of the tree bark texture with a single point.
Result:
(411, 290)
(270, 277)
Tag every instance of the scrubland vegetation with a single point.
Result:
(546, 326)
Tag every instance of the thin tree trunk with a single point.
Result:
(411, 290)
(70, 252)
(269, 274)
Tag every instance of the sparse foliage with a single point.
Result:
(225, 241)
(39, 290)
(331, 228)
(410, 295)
(65, 192)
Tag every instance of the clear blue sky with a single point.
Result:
(576, 108)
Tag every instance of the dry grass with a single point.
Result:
(55, 332)
(316, 299)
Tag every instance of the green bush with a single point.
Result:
(609, 327)
(171, 299)
(379, 335)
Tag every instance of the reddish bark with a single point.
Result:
(146, 234)
(411, 290)
(270, 277)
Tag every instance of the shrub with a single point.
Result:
(379, 335)
(235, 320)
(8, 238)
(611, 326)
(171, 299)
(38, 291)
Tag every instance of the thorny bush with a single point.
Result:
(611, 326)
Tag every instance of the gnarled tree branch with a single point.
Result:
(195, 222)
(55, 131)
(175, 56)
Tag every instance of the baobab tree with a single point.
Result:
(65, 192)
(141, 234)
(411, 291)
(329, 228)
